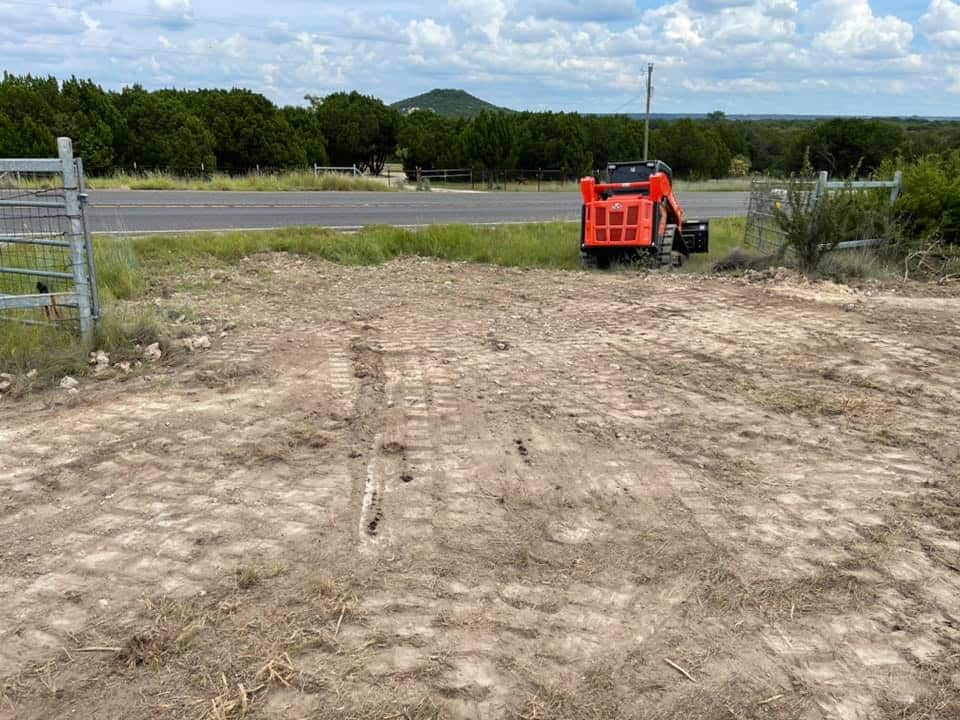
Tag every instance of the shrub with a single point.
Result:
(814, 227)
(930, 203)
(811, 228)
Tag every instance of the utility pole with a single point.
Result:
(646, 128)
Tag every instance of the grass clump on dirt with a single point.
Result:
(288, 181)
(37, 355)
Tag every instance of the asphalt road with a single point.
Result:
(139, 211)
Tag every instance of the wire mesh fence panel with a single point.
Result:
(767, 196)
(47, 272)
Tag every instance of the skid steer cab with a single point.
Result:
(635, 215)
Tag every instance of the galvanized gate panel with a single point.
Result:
(47, 270)
(763, 232)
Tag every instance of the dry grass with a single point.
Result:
(280, 445)
(248, 576)
(287, 181)
(809, 401)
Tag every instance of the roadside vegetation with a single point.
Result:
(529, 184)
(129, 271)
(292, 180)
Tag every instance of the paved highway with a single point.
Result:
(141, 211)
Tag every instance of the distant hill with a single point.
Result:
(451, 103)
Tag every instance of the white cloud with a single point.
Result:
(737, 85)
(855, 31)
(427, 33)
(173, 14)
(45, 20)
(680, 28)
(484, 16)
(941, 24)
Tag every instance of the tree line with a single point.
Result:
(195, 131)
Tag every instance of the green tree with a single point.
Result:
(306, 125)
(89, 116)
(359, 129)
(248, 130)
(692, 149)
(429, 140)
(613, 138)
(164, 136)
(490, 141)
(845, 145)
(554, 141)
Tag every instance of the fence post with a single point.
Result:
(897, 187)
(821, 187)
(78, 259)
(88, 244)
(539, 178)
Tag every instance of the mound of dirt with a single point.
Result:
(740, 260)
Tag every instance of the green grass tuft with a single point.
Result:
(551, 245)
(50, 351)
(119, 273)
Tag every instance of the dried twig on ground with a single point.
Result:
(679, 669)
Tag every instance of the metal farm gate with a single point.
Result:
(47, 274)
(764, 234)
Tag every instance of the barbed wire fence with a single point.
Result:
(47, 272)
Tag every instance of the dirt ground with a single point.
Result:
(432, 490)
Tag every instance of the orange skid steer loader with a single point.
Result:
(636, 215)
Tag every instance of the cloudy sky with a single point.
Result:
(874, 57)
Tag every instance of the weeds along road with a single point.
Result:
(150, 211)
